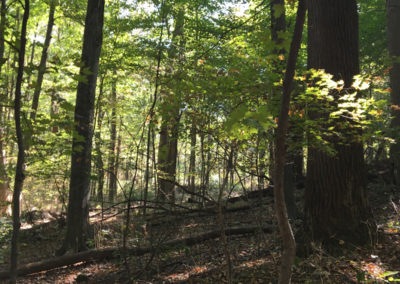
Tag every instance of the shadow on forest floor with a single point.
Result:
(255, 256)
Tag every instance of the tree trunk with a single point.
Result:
(112, 178)
(278, 27)
(98, 141)
(393, 26)
(43, 61)
(78, 203)
(336, 205)
(192, 159)
(27, 97)
(19, 171)
(4, 180)
(168, 147)
(3, 13)
(288, 242)
(261, 166)
(278, 24)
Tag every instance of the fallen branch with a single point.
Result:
(110, 253)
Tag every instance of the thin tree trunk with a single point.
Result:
(192, 159)
(43, 61)
(32, 57)
(4, 180)
(99, 154)
(221, 221)
(54, 109)
(19, 171)
(112, 179)
(79, 192)
(278, 27)
(288, 242)
(3, 13)
(261, 166)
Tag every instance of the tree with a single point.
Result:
(336, 204)
(4, 184)
(112, 167)
(19, 171)
(170, 112)
(393, 25)
(78, 202)
(43, 60)
(288, 242)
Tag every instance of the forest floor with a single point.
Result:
(254, 256)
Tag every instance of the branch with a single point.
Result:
(112, 253)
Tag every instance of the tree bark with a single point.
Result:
(79, 192)
(19, 171)
(278, 27)
(288, 242)
(3, 13)
(393, 26)
(99, 154)
(336, 204)
(112, 177)
(4, 180)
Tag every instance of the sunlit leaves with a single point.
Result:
(340, 114)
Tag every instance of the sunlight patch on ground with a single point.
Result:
(186, 275)
(375, 270)
(254, 263)
(26, 226)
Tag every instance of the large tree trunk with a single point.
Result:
(78, 203)
(19, 171)
(336, 205)
(393, 27)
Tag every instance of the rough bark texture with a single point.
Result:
(288, 242)
(43, 61)
(78, 203)
(393, 28)
(19, 171)
(336, 205)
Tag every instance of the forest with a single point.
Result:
(199, 141)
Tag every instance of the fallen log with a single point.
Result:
(110, 253)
